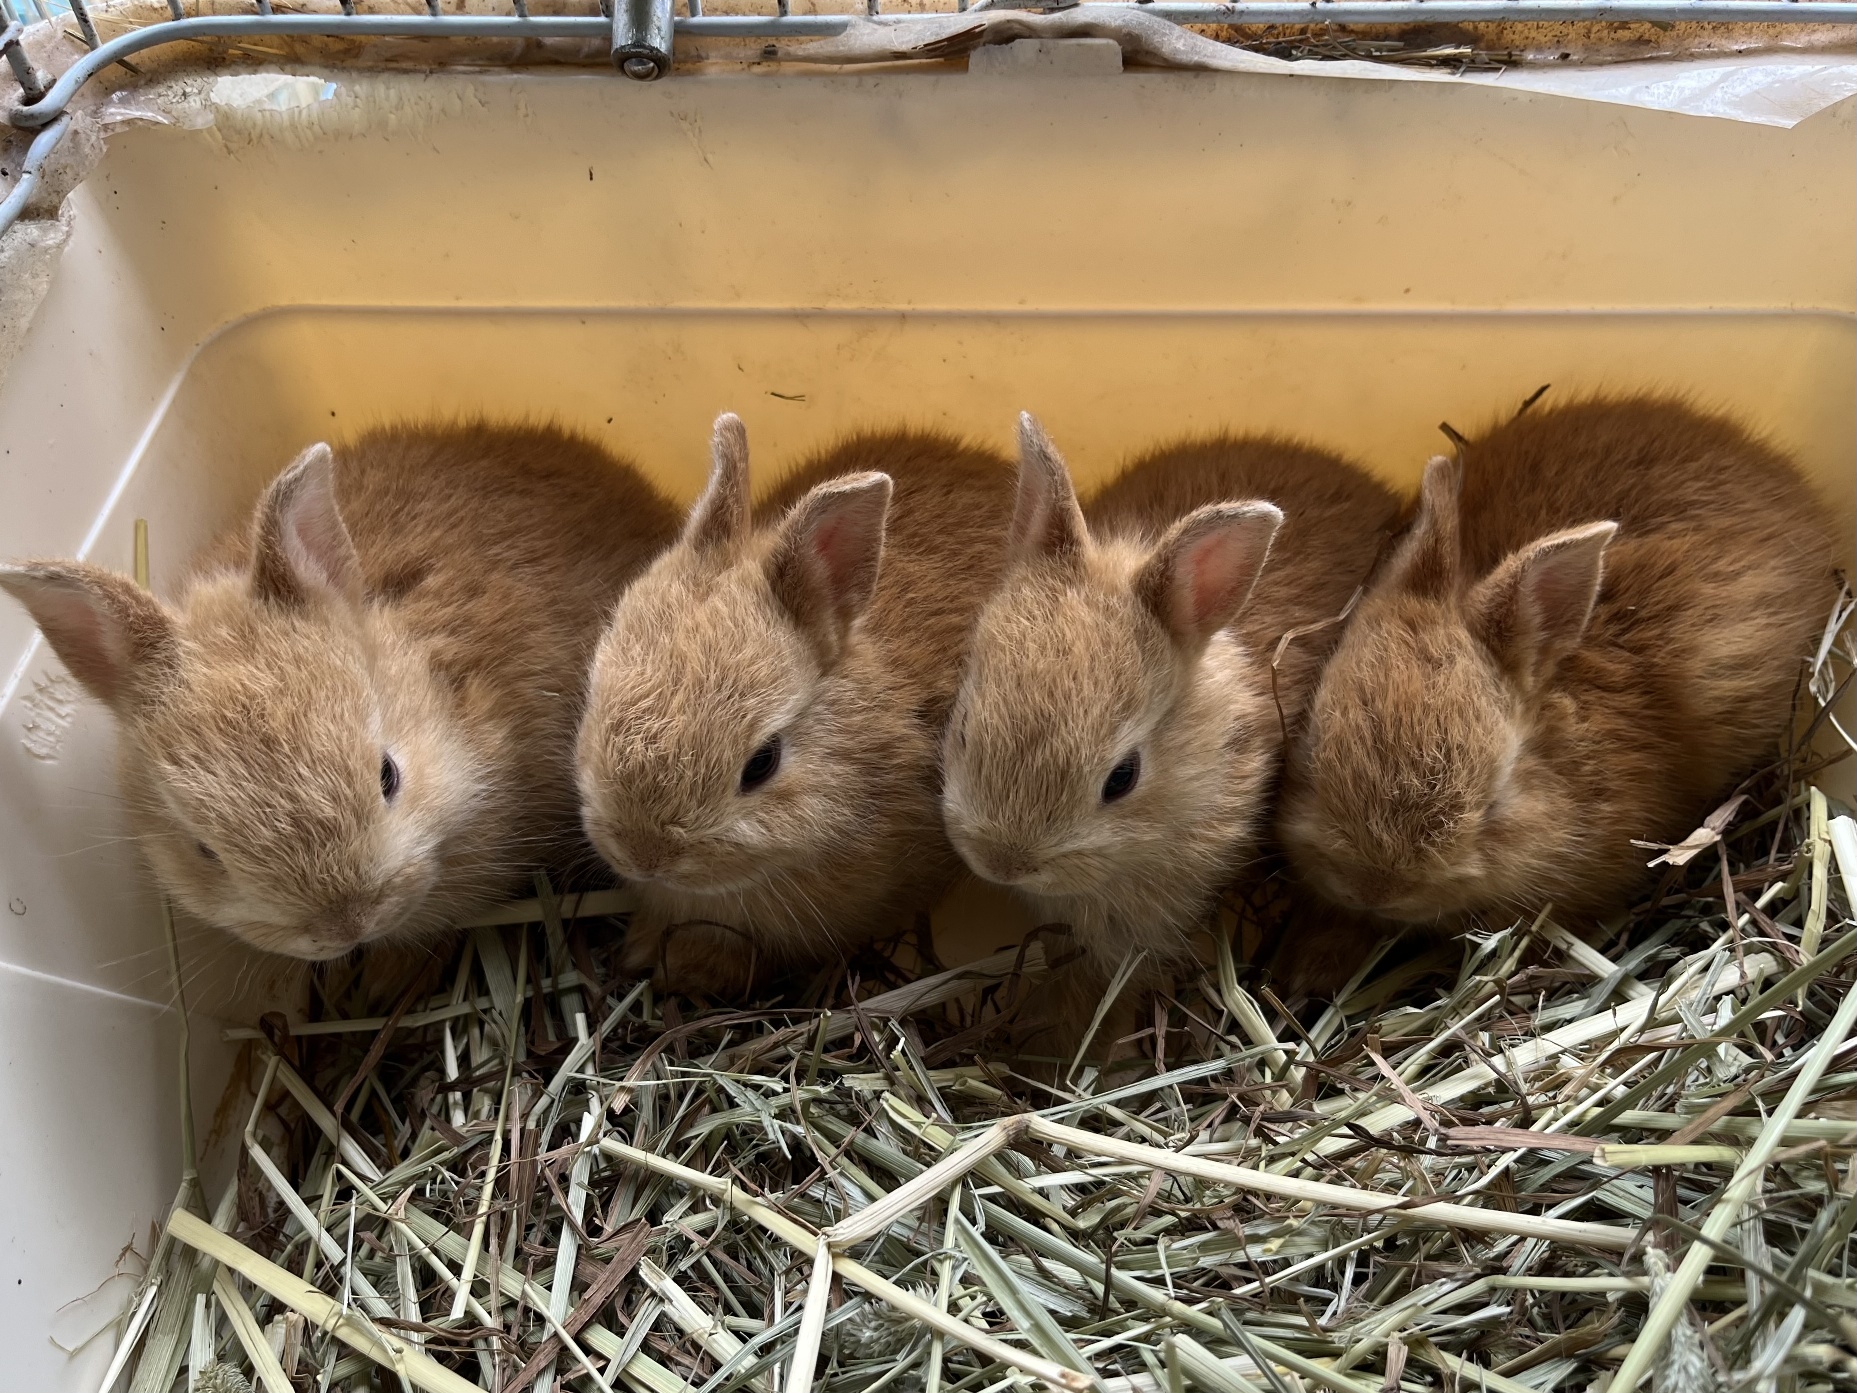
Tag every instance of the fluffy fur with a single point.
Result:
(425, 595)
(1123, 629)
(835, 622)
(1593, 628)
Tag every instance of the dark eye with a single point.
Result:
(389, 778)
(206, 852)
(1122, 778)
(761, 765)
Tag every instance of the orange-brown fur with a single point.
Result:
(256, 708)
(708, 657)
(1075, 665)
(1472, 752)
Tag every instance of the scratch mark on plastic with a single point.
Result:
(51, 706)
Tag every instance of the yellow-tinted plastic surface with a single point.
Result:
(1128, 256)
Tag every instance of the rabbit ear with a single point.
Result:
(1533, 608)
(825, 562)
(1046, 520)
(1427, 562)
(302, 549)
(720, 518)
(1200, 575)
(113, 635)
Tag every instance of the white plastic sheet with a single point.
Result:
(1766, 89)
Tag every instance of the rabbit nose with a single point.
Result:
(1003, 864)
(350, 923)
(648, 851)
(1371, 887)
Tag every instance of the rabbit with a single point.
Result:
(758, 759)
(355, 722)
(1119, 727)
(1592, 629)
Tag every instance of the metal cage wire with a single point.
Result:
(643, 32)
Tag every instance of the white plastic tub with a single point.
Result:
(1127, 255)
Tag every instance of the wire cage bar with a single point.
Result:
(643, 33)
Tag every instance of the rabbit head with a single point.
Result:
(1110, 742)
(1415, 792)
(724, 743)
(286, 761)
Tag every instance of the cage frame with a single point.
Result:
(643, 34)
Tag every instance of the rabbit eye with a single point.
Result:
(389, 778)
(206, 852)
(761, 765)
(1122, 778)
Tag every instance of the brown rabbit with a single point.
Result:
(758, 757)
(1116, 739)
(1592, 629)
(356, 720)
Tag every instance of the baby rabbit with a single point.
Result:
(1117, 733)
(758, 757)
(356, 720)
(1592, 629)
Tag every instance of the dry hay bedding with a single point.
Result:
(1518, 1161)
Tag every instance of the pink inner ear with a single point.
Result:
(825, 541)
(1562, 590)
(825, 569)
(833, 556)
(1562, 584)
(1537, 603)
(315, 540)
(83, 640)
(318, 544)
(1211, 582)
(1218, 573)
(100, 626)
